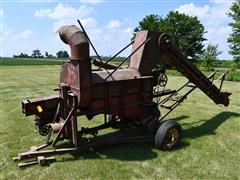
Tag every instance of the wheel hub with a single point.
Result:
(172, 137)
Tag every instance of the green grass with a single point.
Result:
(30, 61)
(8, 61)
(210, 147)
(232, 75)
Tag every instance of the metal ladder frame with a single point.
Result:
(179, 100)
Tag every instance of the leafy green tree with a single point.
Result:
(21, 55)
(186, 31)
(234, 39)
(46, 54)
(62, 54)
(36, 53)
(150, 22)
(50, 56)
(209, 56)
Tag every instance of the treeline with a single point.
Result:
(36, 53)
(209, 56)
(188, 33)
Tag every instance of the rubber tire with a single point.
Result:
(162, 132)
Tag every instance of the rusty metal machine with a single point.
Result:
(128, 98)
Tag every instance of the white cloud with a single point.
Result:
(12, 36)
(128, 30)
(114, 24)
(91, 1)
(65, 15)
(110, 41)
(17, 42)
(215, 21)
(42, 12)
(86, 22)
(63, 11)
(103, 37)
(193, 10)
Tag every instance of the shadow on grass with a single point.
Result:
(208, 126)
(136, 151)
(144, 151)
(179, 118)
(123, 152)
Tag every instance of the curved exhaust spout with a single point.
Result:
(77, 73)
(77, 41)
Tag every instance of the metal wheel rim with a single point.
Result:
(162, 80)
(172, 137)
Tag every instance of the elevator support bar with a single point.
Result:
(173, 56)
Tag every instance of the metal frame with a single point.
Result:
(68, 104)
(178, 100)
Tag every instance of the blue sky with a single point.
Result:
(28, 25)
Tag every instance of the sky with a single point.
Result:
(33, 24)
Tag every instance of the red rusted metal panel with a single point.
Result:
(47, 103)
(118, 97)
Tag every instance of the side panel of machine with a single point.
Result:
(125, 98)
(77, 74)
(146, 58)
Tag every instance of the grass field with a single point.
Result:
(233, 75)
(30, 61)
(209, 150)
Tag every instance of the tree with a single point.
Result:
(65, 54)
(150, 22)
(21, 55)
(46, 54)
(50, 56)
(36, 53)
(62, 54)
(209, 56)
(234, 39)
(186, 31)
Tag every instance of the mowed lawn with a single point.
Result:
(209, 149)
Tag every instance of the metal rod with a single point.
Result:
(220, 77)
(182, 98)
(223, 77)
(128, 58)
(115, 55)
(211, 76)
(178, 103)
(89, 40)
(54, 120)
(171, 95)
(43, 146)
(24, 164)
(64, 125)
